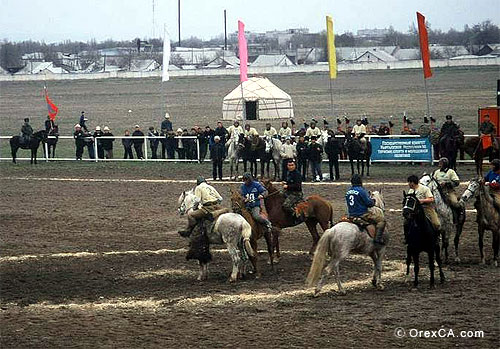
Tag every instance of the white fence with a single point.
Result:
(4, 143)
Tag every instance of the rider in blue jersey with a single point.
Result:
(252, 191)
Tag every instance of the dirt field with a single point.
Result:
(99, 264)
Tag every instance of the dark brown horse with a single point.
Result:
(317, 210)
(258, 231)
(33, 144)
(473, 147)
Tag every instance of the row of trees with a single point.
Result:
(476, 35)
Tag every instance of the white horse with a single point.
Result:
(488, 218)
(445, 216)
(272, 153)
(230, 229)
(233, 153)
(341, 240)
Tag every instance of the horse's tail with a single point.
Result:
(246, 233)
(319, 259)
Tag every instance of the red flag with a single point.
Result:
(53, 110)
(424, 45)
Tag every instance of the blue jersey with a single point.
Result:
(492, 177)
(252, 192)
(358, 201)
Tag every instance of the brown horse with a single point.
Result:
(473, 147)
(258, 231)
(315, 210)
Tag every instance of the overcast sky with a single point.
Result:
(82, 20)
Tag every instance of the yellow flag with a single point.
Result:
(330, 41)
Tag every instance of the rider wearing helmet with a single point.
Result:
(252, 191)
(360, 204)
(209, 201)
(492, 180)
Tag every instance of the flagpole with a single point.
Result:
(427, 98)
(331, 97)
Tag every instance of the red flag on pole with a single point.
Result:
(424, 45)
(53, 110)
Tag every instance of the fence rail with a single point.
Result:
(198, 153)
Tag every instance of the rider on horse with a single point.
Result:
(361, 205)
(209, 201)
(26, 132)
(487, 133)
(270, 131)
(250, 132)
(252, 191)
(449, 128)
(492, 180)
(448, 179)
(293, 189)
(426, 199)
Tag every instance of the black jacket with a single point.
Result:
(332, 147)
(301, 150)
(314, 151)
(137, 141)
(107, 144)
(294, 181)
(217, 151)
(127, 142)
(222, 133)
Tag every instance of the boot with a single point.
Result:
(379, 234)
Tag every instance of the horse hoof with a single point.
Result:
(316, 293)
(231, 280)
(457, 260)
(380, 287)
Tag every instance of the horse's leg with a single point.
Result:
(439, 263)
(458, 233)
(377, 269)
(367, 167)
(480, 232)
(352, 165)
(236, 260)
(269, 243)
(408, 263)
(431, 264)
(496, 245)
(416, 268)
(201, 275)
(276, 243)
(362, 167)
(253, 260)
(446, 242)
(13, 151)
(311, 225)
(325, 273)
(336, 271)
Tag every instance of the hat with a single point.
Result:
(432, 119)
(391, 124)
(137, 126)
(216, 138)
(78, 126)
(26, 120)
(426, 120)
(356, 179)
(200, 180)
(98, 128)
(151, 128)
(247, 176)
(449, 117)
(179, 129)
(339, 122)
(167, 116)
(106, 128)
(325, 122)
(292, 121)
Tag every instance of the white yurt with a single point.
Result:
(261, 99)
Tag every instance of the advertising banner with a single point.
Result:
(401, 149)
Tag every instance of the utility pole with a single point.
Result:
(225, 31)
(179, 19)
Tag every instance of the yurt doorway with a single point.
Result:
(251, 110)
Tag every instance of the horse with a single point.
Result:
(314, 210)
(52, 141)
(473, 147)
(488, 218)
(448, 148)
(33, 144)
(341, 240)
(234, 152)
(230, 229)
(253, 147)
(421, 237)
(356, 151)
(270, 154)
(258, 231)
(445, 214)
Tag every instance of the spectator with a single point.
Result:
(127, 146)
(166, 125)
(332, 150)
(79, 141)
(288, 153)
(170, 144)
(83, 119)
(217, 154)
(301, 150)
(221, 131)
(107, 143)
(138, 142)
(315, 151)
(163, 142)
(285, 131)
(153, 142)
(203, 141)
(179, 145)
(270, 131)
(89, 142)
(383, 130)
(49, 124)
(190, 143)
(100, 150)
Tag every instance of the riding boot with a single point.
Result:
(379, 234)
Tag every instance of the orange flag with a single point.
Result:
(424, 45)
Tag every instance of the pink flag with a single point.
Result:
(242, 43)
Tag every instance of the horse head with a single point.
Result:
(472, 189)
(187, 201)
(266, 182)
(379, 199)
(411, 206)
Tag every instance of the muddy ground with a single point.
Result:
(99, 264)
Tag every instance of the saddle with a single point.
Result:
(363, 225)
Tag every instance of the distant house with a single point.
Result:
(310, 55)
(41, 68)
(226, 61)
(443, 51)
(489, 49)
(272, 61)
(33, 56)
(194, 56)
(406, 54)
(69, 60)
(371, 56)
(144, 65)
(353, 53)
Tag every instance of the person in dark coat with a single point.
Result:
(203, 142)
(170, 144)
(217, 154)
(221, 131)
(315, 152)
(89, 142)
(166, 125)
(82, 123)
(127, 146)
(98, 133)
(107, 144)
(79, 141)
(49, 124)
(26, 131)
(138, 142)
(302, 157)
(332, 150)
(153, 142)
